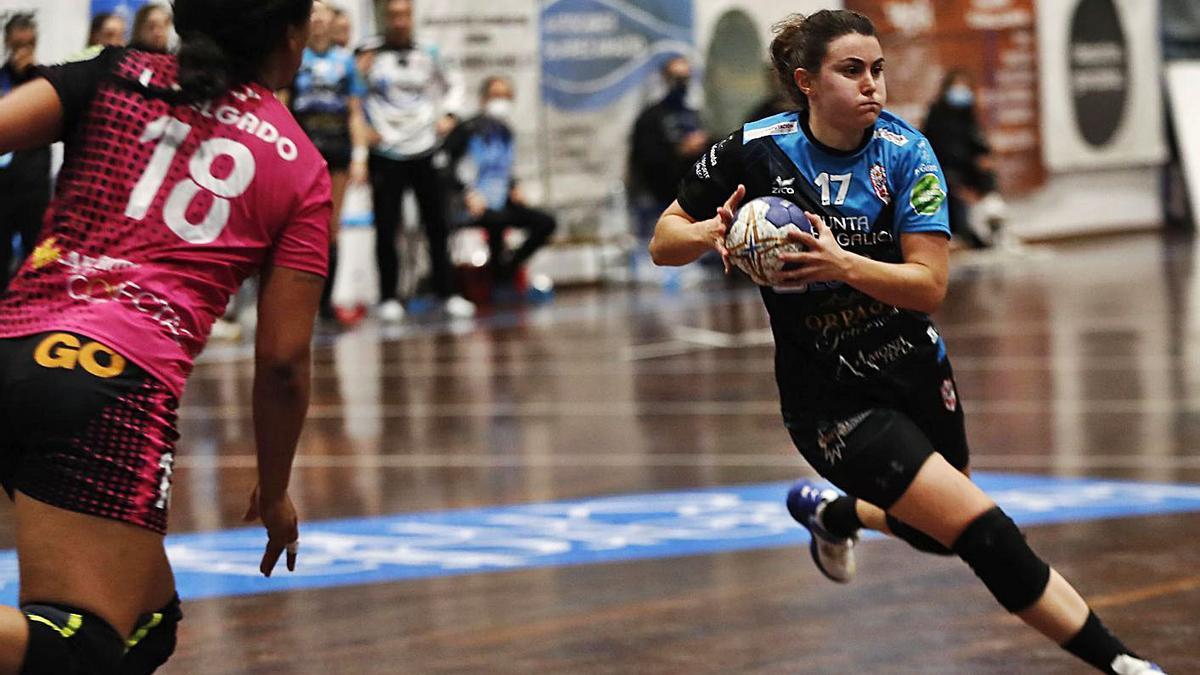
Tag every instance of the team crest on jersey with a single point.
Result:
(879, 183)
(949, 395)
(891, 137)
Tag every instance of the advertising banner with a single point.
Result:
(1106, 110)
(596, 51)
(995, 43)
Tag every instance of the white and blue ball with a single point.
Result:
(758, 237)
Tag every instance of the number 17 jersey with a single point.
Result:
(162, 209)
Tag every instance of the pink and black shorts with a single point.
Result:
(85, 429)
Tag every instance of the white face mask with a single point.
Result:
(499, 108)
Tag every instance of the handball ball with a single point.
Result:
(759, 235)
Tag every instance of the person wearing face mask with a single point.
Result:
(953, 130)
(25, 174)
(481, 157)
(667, 140)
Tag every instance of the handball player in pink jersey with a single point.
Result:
(183, 175)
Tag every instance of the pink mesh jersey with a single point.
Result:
(162, 210)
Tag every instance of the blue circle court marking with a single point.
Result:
(589, 531)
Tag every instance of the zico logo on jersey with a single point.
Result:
(927, 195)
(63, 350)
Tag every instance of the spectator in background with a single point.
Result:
(341, 32)
(24, 174)
(482, 153)
(960, 145)
(326, 99)
(408, 95)
(152, 26)
(667, 140)
(107, 30)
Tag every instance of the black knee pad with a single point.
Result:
(916, 538)
(153, 640)
(997, 552)
(69, 641)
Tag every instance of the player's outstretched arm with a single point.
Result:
(680, 239)
(31, 116)
(287, 306)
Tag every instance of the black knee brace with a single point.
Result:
(996, 550)
(68, 641)
(153, 640)
(916, 538)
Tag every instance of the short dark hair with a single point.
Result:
(19, 21)
(224, 42)
(97, 24)
(802, 42)
(490, 80)
(143, 15)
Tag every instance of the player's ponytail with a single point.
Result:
(224, 43)
(802, 41)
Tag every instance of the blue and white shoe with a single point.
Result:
(1127, 665)
(833, 556)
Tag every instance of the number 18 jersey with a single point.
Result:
(163, 209)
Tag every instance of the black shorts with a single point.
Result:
(84, 429)
(875, 453)
(337, 153)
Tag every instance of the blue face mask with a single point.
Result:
(960, 96)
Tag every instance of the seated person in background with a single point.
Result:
(481, 154)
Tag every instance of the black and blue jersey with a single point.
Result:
(837, 349)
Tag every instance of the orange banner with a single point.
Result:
(993, 40)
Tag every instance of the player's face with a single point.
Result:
(112, 32)
(322, 19)
(21, 43)
(399, 20)
(157, 30)
(340, 32)
(849, 90)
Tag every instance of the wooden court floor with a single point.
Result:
(1074, 360)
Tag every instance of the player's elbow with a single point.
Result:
(933, 298)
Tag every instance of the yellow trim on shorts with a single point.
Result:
(144, 630)
(74, 623)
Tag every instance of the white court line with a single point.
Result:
(596, 409)
(573, 460)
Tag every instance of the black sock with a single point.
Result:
(840, 517)
(1096, 645)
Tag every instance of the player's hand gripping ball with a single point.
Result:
(758, 236)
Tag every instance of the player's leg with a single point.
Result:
(932, 404)
(539, 226)
(96, 437)
(84, 581)
(387, 193)
(431, 203)
(339, 178)
(946, 505)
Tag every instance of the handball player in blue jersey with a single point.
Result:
(326, 100)
(866, 387)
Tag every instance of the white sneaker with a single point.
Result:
(224, 329)
(1127, 665)
(391, 311)
(459, 307)
(834, 557)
